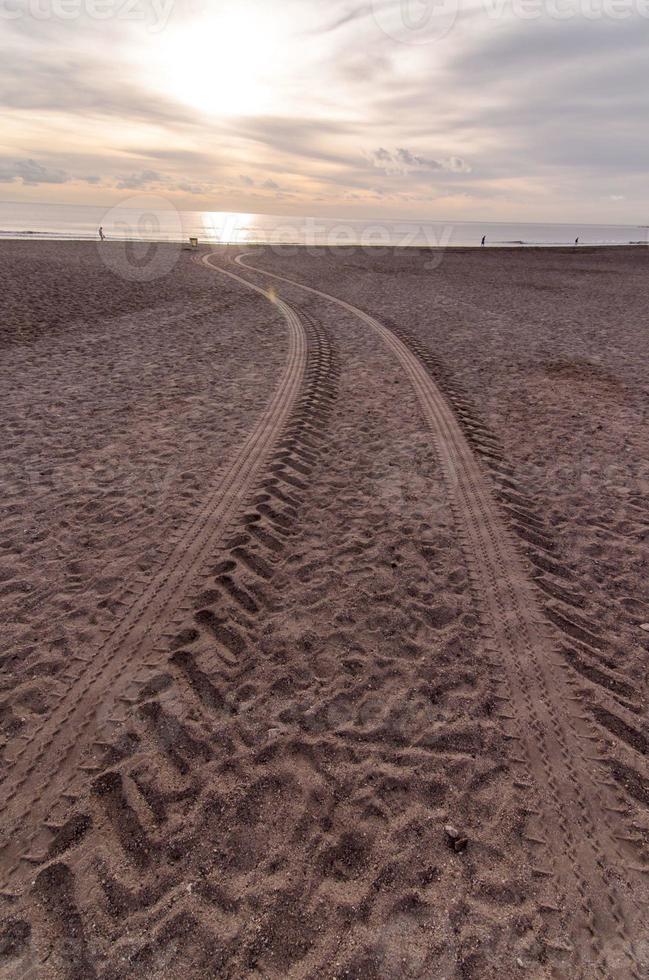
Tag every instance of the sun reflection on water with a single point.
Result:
(226, 227)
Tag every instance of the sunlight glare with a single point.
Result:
(226, 227)
(223, 64)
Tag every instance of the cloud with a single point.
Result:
(140, 181)
(193, 189)
(349, 16)
(541, 45)
(84, 87)
(31, 172)
(403, 161)
(175, 156)
(266, 185)
(250, 182)
(298, 136)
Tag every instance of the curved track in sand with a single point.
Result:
(594, 914)
(47, 765)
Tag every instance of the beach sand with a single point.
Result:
(283, 737)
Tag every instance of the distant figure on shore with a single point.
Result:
(576, 241)
(101, 235)
(484, 239)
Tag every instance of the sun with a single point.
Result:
(223, 64)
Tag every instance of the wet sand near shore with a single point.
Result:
(322, 647)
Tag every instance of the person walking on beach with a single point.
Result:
(576, 241)
(101, 235)
(484, 239)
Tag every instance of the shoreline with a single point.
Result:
(489, 246)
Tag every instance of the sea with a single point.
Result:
(149, 219)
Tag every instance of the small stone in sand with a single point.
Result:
(455, 838)
(645, 627)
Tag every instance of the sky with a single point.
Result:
(528, 110)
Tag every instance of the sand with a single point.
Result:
(321, 645)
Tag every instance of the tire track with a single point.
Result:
(574, 838)
(36, 776)
(120, 840)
